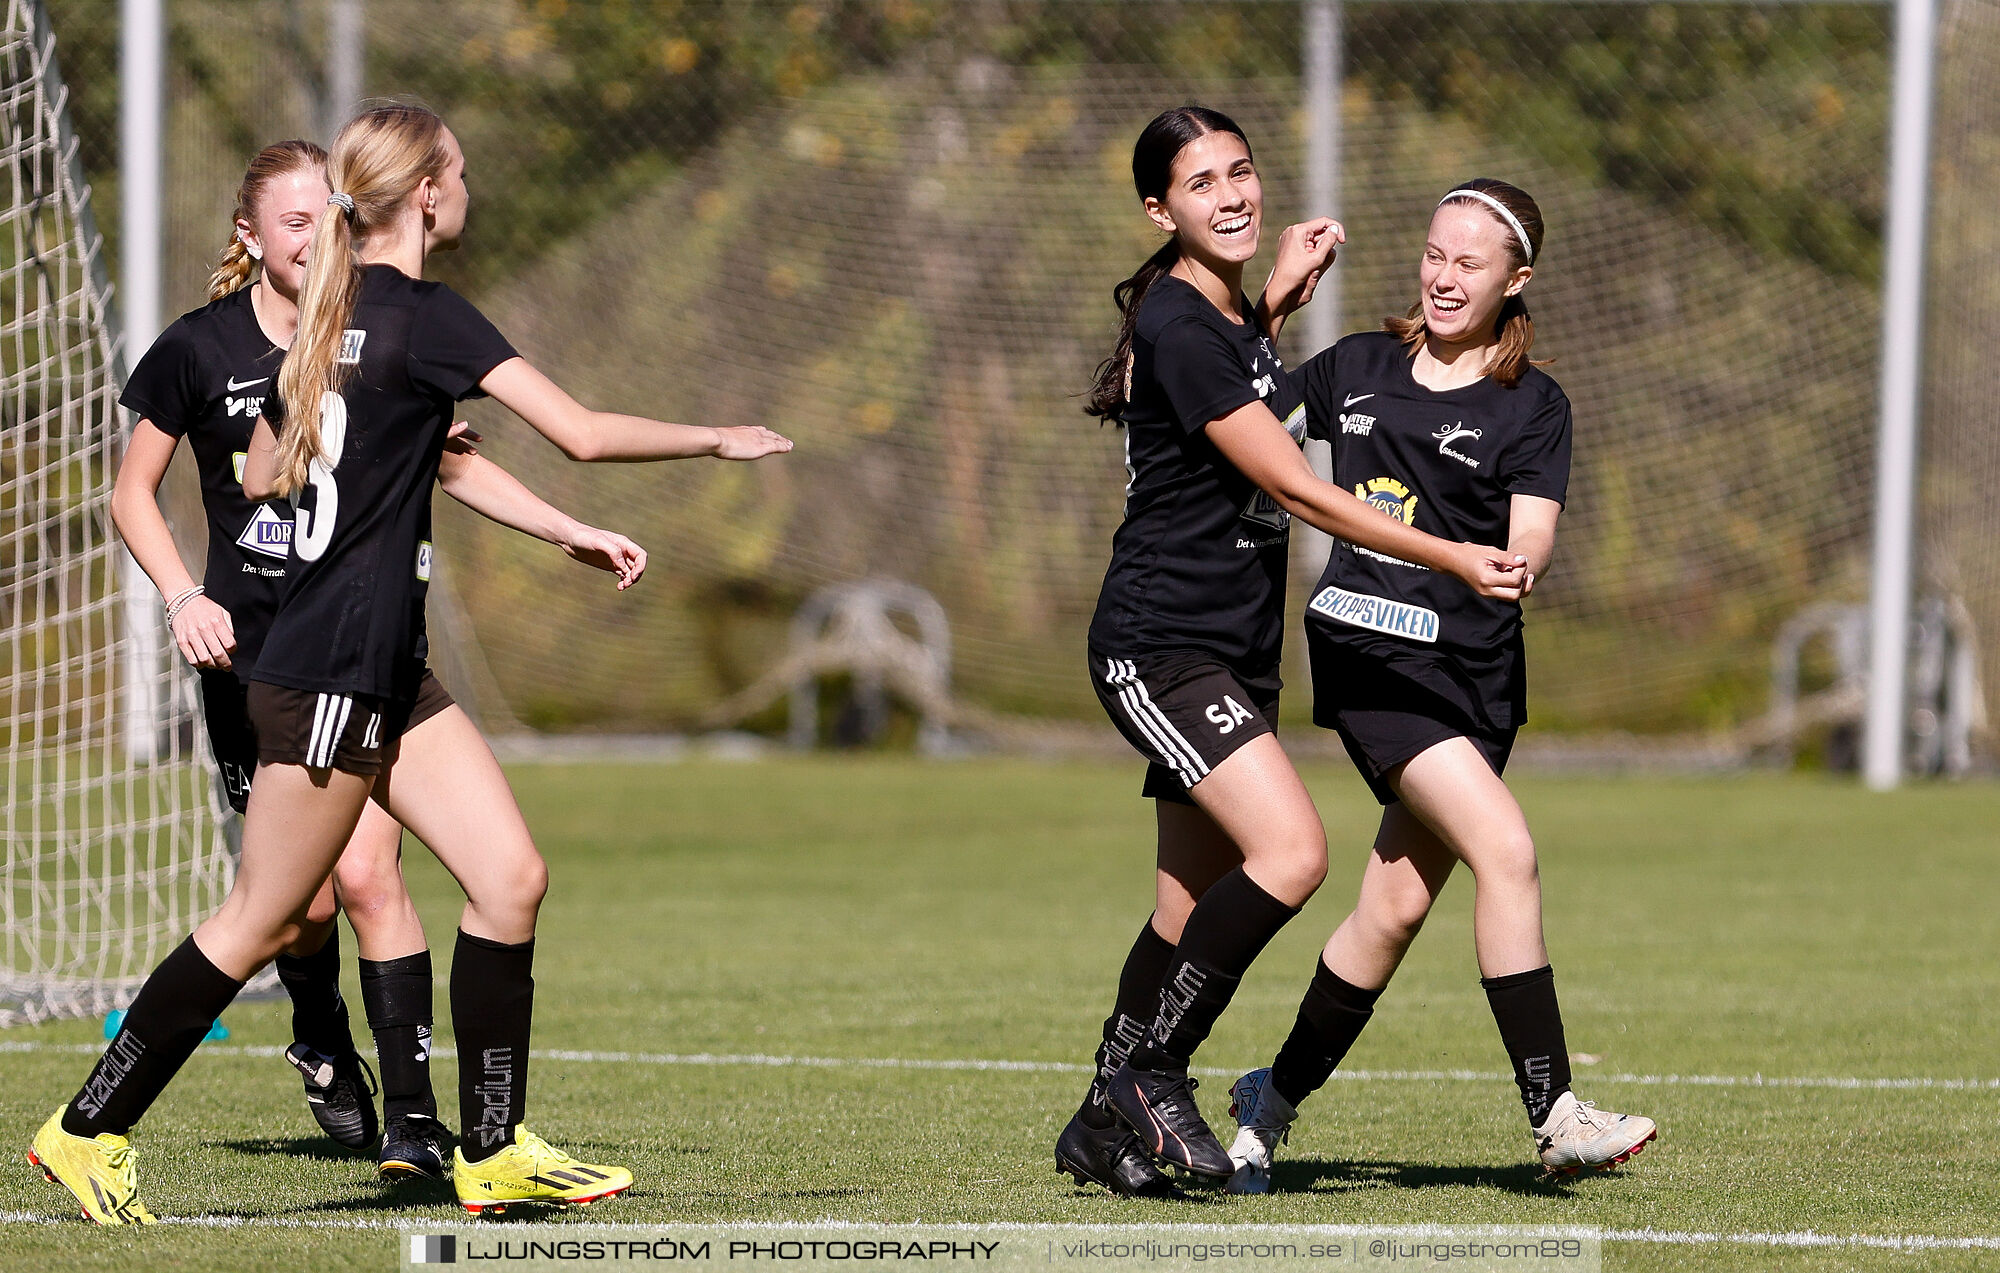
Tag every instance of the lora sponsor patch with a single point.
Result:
(269, 533)
(1377, 614)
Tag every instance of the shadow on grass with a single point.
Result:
(1195, 1192)
(314, 1147)
(1320, 1175)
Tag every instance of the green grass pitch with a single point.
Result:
(886, 908)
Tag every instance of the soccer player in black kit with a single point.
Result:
(1184, 647)
(365, 401)
(206, 379)
(1440, 421)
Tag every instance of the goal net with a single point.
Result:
(890, 228)
(110, 838)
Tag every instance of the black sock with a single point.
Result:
(1330, 1020)
(161, 1030)
(396, 995)
(1228, 929)
(1531, 1026)
(1125, 1029)
(319, 1014)
(492, 1003)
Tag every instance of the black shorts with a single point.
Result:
(1184, 711)
(354, 733)
(225, 708)
(1390, 704)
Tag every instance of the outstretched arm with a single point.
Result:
(583, 434)
(1251, 438)
(202, 628)
(493, 493)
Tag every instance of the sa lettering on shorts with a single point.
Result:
(1227, 714)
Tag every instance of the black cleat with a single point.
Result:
(1159, 1106)
(341, 1092)
(414, 1146)
(1111, 1157)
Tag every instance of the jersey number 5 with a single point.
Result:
(313, 531)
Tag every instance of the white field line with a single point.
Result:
(743, 1059)
(1808, 1238)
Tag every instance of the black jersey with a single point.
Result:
(352, 618)
(1445, 462)
(205, 379)
(1199, 561)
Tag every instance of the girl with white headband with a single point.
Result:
(1442, 422)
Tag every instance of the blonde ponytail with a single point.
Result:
(378, 159)
(311, 366)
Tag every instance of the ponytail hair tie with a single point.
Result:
(344, 201)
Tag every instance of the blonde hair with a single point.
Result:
(1512, 326)
(236, 267)
(377, 160)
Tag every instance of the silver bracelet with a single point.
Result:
(180, 603)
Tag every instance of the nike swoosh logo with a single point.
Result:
(1354, 398)
(233, 386)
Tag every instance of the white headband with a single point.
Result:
(1499, 207)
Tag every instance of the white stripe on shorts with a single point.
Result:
(1125, 674)
(319, 719)
(1120, 674)
(329, 723)
(1201, 766)
(1151, 722)
(334, 734)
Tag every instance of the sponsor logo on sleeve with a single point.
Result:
(269, 532)
(236, 465)
(424, 553)
(350, 346)
(1377, 614)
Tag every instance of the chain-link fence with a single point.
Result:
(890, 229)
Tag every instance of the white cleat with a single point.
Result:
(1263, 1121)
(1578, 1136)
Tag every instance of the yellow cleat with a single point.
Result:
(532, 1170)
(98, 1169)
